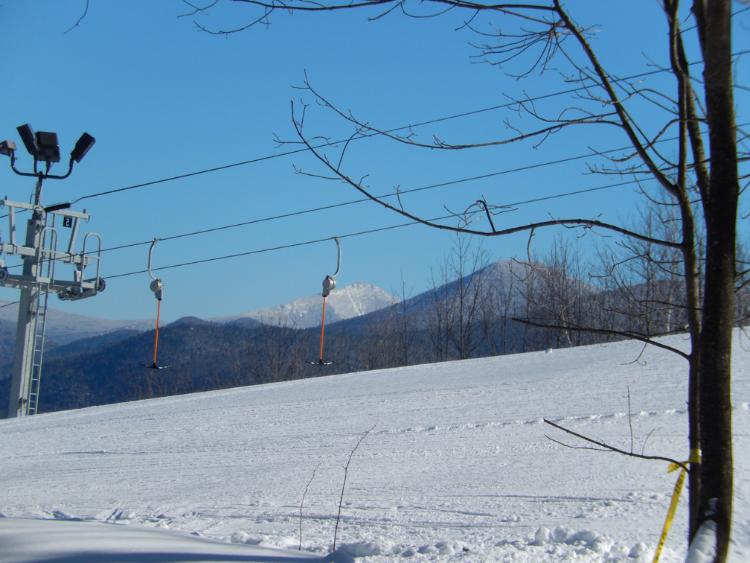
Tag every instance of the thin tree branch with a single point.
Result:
(605, 83)
(611, 332)
(343, 485)
(574, 222)
(302, 501)
(80, 19)
(608, 447)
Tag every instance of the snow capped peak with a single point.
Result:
(359, 299)
(344, 302)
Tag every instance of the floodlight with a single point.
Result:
(7, 148)
(56, 207)
(47, 148)
(83, 145)
(27, 136)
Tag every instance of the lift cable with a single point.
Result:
(399, 193)
(406, 191)
(371, 134)
(358, 233)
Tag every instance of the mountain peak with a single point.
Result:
(344, 302)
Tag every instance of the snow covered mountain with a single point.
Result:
(452, 465)
(344, 303)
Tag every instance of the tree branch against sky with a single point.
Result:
(545, 39)
(492, 119)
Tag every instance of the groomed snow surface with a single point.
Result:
(456, 468)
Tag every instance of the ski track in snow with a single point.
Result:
(457, 468)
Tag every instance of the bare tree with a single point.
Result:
(467, 266)
(457, 302)
(439, 318)
(499, 305)
(404, 327)
(557, 293)
(701, 181)
(645, 282)
(398, 327)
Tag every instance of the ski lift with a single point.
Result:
(329, 284)
(157, 287)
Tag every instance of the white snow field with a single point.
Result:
(457, 467)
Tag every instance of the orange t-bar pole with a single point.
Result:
(322, 330)
(156, 335)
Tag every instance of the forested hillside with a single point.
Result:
(502, 308)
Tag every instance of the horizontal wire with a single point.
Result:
(364, 136)
(447, 183)
(363, 233)
(296, 213)
(398, 193)
(402, 192)
(372, 134)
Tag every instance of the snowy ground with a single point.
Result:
(457, 466)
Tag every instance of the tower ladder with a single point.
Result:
(45, 276)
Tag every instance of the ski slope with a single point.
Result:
(456, 467)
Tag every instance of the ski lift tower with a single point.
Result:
(40, 253)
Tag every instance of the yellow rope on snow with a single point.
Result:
(695, 457)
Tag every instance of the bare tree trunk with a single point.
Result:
(721, 219)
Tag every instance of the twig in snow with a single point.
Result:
(302, 502)
(343, 485)
(643, 449)
(630, 421)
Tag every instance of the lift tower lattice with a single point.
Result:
(40, 254)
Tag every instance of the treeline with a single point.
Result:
(473, 309)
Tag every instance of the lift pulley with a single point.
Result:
(157, 287)
(329, 284)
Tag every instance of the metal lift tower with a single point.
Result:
(39, 253)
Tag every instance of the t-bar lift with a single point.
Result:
(329, 283)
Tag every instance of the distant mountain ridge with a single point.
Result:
(347, 302)
(351, 301)
(367, 328)
(472, 316)
(63, 327)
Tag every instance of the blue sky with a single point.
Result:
(164, 99)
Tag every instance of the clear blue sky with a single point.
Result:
(163, 99)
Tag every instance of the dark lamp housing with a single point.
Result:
(47, 148)
(27, 136)
(83, 145)
(57, 207)
(7, 148)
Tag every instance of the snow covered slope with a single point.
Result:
(74, 541)
(346, 302)
(457, 466)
